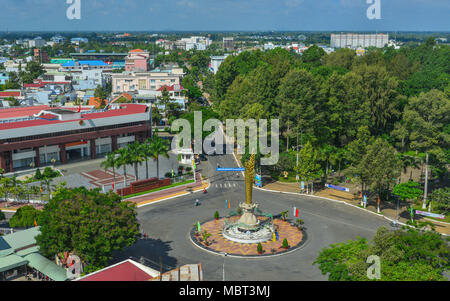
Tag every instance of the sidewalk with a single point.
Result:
(351, 199)
(162, 195)
(143, 200)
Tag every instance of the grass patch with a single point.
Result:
(290, 179)
(159, 189)
(419, 207)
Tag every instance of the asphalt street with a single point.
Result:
(168, 225)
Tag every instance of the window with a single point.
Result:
(142, 84)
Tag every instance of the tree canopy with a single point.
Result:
(88, 223)
(410, 255)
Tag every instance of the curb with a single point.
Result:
(341, 202)
(301, 245)
(144, 203)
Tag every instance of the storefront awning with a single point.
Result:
(46, 267)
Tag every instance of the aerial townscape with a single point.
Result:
(239, 155)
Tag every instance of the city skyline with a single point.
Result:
(229, 15)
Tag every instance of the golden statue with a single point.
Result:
(249, 177)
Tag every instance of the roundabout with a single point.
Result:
(219, 244)
(246, 234)
(171, 223)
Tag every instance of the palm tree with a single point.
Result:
(123, 160)
(146, 152)
(110, 162)
(47, 182)
(136, 156)
(159, 147)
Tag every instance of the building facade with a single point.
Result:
(137, 61)
(40, 135)
(134, 82)
(355, 40)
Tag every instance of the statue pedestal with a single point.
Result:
(248, 220)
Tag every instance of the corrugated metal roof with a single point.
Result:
(22, 239)
(10, 262)
(46, 267)
(28, 251)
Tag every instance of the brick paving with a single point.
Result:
(102, 178)
(222, 245)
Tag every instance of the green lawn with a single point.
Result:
(159, 189)
(419, 207)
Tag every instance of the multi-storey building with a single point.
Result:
(228, 44)
(355, 40)
(137, 61)
(154, 80)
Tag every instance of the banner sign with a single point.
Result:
(439, 216)
(230, 169)
(337, 187)
(258, 181)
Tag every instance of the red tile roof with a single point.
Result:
(96, 101)
(137, 50)
(125, 271)
(170, 88)
(11, 93)
(126, 109)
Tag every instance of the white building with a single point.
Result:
(216, 61)
(36, 42)
(355, 40)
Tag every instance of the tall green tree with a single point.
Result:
(25, 217)
(381, 166)
(411, 255)
(424, 120)
(308, 168)
(88, 223)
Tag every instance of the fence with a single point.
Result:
(142, 186)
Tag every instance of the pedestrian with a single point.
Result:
(196, 203)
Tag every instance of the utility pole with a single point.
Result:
(151, 120)
(426, 184)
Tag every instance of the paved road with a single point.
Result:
(168, 224)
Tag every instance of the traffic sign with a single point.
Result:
(230, 169)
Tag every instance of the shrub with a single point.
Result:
(168, 175)
(2, 216)
(38, 175)
(260, 249)
(216, 215)
(205, 237)
(50, 173)
(25, 217)
(239, 211)
(285, 244)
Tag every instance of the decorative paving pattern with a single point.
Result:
(102, 178)
(220, 244)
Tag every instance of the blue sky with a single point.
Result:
(258, 15)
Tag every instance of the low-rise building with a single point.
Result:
(42, 133)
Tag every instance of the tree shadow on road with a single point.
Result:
(149, 252)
